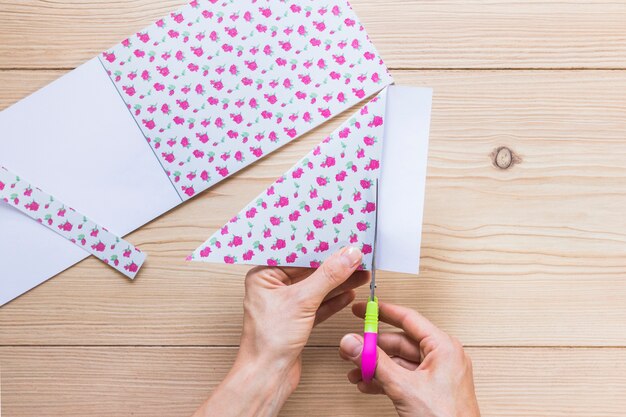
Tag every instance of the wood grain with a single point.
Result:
(408, 33)
(531, 255)
(525, 265)
(105, 381)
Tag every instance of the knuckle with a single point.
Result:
(331, 273)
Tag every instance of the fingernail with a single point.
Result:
(351, 345)
(350, 256)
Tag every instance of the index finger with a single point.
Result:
(413, 323)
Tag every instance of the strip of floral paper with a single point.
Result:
(219, 84)
(67, 222)
(324, 202)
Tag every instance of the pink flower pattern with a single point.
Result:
(324, 202)
(221, 83)
(70, 224)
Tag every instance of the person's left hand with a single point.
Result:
(281, 307)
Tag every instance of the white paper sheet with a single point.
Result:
(76, 140)
(403, 178)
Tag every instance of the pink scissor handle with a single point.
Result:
(368, 356)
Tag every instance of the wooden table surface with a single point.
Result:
(525, 265)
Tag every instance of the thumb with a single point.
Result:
(350, 348)
(333, 272)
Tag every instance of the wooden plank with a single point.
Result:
(408, 33)
(518, 382)
(531, 255)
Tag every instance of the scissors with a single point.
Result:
(370, 331)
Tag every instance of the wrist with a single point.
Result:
(251, 388)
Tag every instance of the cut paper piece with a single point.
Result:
(70, 224)
(326, 201)
(219, 84)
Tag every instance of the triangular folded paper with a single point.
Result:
(325, 201)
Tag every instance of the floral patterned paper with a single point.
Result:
(70, 224)
(219, 84)
(327, 200)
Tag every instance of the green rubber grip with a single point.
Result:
(371, 316)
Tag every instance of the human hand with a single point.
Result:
(424, 371)
(281, 307)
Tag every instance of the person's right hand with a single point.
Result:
(425, 372)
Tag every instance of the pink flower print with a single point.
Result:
(305, 79)
(205, 252)
(338, 218)
(164, 71)
(344, 133)
(204, 175)
(251, 213)
(315, 42)
(237, 241)
(279, 244)
(360, 93)
(266, 12)
(267, 233)
(248, 255)
(257, 152)
(366, 249)
(291, 258)
(189, 191)
(1, 186)
(322, 181)
(356, 44)
(98, 247)
(282, 202)
(223, 171)
(315, 264)
(376, 121)
(319, 26)
(132, 267)
(369, 56)
(213, 36)
(94, 232)
(328, 162)
(366, 184)
(310, 235)
(306, 117)
(139, 53)
(183, 104)
(28, 192)
(349, 22)
(126, 253)
(199, 89)
(325, 113)
(229, 259)
(239, 156)
(129, 90)
(61, 213)
(326, 205)
(294, 216)
(369, 141)
(353, 238)
(66, 227)
(275, 221)
(319, 223)
(32, 206)
(272, 262)
(291, 132)
(341, 176)
(271, 98)
(297, 173)
(178, 17)
(159, 86)
(372, 165)
(169, 157)
(339, 59)
(272, 136)
(368, 208)
(261, 28)
(109, 56)
(173, 34)
(360, 153)
(313, 193)
(362, 226)
(321, 247)
(217, 84)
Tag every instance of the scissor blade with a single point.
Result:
(373, 281)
